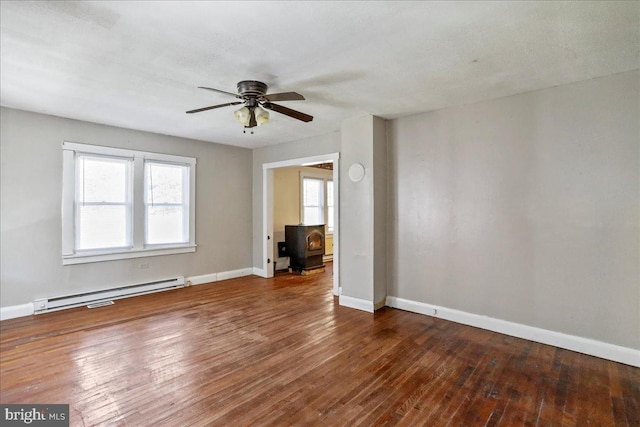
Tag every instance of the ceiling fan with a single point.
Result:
(253, 95)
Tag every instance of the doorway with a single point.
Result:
(268, 208)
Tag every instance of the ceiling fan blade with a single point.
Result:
(235, 95)
(284, 96)
(213, 106)
(288, 112)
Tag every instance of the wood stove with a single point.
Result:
(305, 245)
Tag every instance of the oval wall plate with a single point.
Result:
(356, 172)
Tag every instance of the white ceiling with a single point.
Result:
(138, 64)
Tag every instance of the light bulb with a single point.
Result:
(243, 116)
(262, 116)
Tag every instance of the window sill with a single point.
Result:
(113, 256)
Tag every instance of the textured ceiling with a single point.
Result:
(138, 64)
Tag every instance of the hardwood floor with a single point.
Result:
(281, 351)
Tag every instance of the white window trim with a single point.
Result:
(139, 249)
(310, 174)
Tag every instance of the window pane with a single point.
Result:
(312, 215)
(164, 183)
(165, 225)
(166, 203)
(101, 226)
(101, 198)
(330, 219)
(313, 201)
(313, 192)
(329, 193)
(102, 180)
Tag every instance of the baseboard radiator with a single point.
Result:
(44, 305)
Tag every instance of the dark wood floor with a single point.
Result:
(281, 351)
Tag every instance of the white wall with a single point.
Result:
(31, 182)
(524, 208)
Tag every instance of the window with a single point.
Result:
(166, 208)
(330, 205)
(102, 202)
(317, 201)
(313, 201)
(120, 204)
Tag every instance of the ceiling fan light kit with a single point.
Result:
(243, 115)
(253, 94)
(262, 116)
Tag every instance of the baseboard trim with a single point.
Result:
(225, 275)
(588, 346)
(259, 272)
(357, 303)
(199, 280)
(222, 275)
(380, 304)
(13, 311)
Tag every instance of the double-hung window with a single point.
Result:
(166, 203)
(312, 201)
(119, 203)
(329, 186)
(102, 202)
(317, 200)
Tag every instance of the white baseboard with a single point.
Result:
(225, 275)
(356, 303)
(222, 275)
(588, 346)
(13, 311)
(259, 272)
(205, 278)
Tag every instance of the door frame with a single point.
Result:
(267, 210)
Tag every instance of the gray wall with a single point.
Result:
(524, 208)
(356, 210)
(380, 208)
(325, 144)
(363, 209)
(31, 179)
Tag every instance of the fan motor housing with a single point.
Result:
(252, 88)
